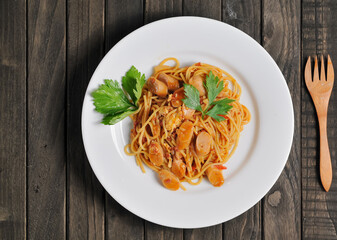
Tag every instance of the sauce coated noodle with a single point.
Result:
(176, 141)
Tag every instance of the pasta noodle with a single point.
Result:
(155, 136)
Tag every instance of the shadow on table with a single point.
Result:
(85, 193)
(86, 196)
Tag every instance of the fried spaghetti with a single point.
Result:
(178, 142)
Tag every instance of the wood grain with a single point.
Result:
(281, 38)
(155, 10)
(214, 233)
(13, 119)
(57, 196)
(122, 17)
(319, 209)
(85, 45)
(211, 9)
(120, 223)
(157, 232)
(202, 8)
(245, 15)
(46, 119)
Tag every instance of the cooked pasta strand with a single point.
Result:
(159, 121)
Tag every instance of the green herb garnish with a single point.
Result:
(214, 109)
(133, 83)
(192, 97)
(116, 104)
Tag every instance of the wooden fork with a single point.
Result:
(320, 91)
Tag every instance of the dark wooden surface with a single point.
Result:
(46, 135)
(13, 124)
(85, 46)
(48, 52)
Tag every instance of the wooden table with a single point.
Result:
(48, 52)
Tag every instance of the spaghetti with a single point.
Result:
(178, 142)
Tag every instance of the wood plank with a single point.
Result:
(245, 15)
(319, 208)
(281, 38)
(85, 46)
(202, 8)
(13, 120)
(211, 9)
(120, 23)
(46, 119)
(213, 232)
(120, 223)
(155, 10)
(157, 232)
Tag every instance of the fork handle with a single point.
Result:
(325, 167)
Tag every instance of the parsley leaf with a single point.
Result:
(133, 83)
(114, 102)
(219, 111)
(224, 101)
(213, 87)
(114, 118)
(215, 109)
(192, 99)
(109, 97)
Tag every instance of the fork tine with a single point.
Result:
(330, 73)
(307, 72)
(316, 77)
(322, 69)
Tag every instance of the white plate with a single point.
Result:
(263, 148)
